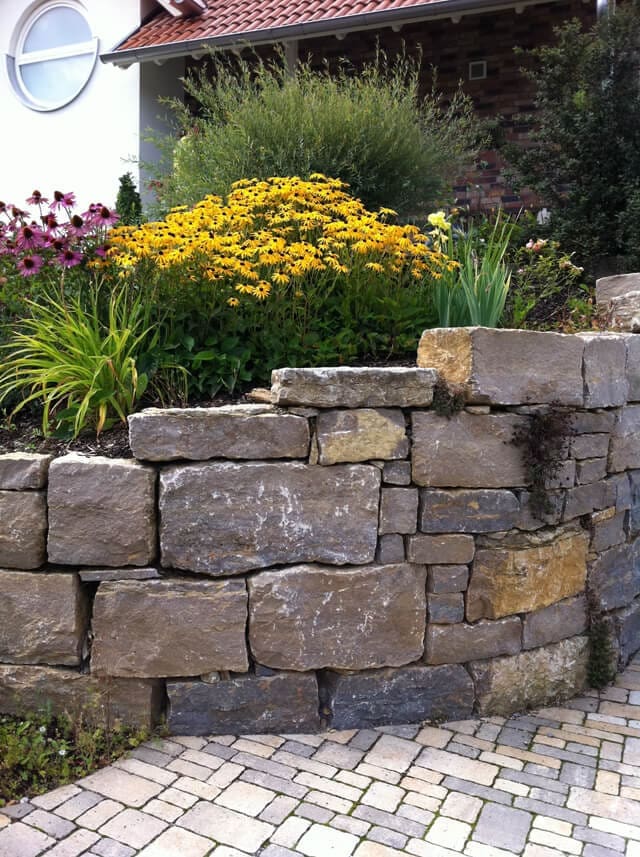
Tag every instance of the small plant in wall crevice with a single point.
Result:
(543, 442)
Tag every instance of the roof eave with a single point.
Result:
(311, 29)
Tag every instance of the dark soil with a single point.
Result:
(25, 435)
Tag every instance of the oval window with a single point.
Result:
(55, 56)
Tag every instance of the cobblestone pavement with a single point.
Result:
(557, 781)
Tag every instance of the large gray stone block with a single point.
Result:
(603, 369)
(100, 701)
(467, 511)
(567, 618)
(22, 471)
(174, 627)
(614, 576)
(507, 367)
(408, 695)
(615, 286)
(227, 518)
(361, 434)
(459, 644)
(233, 431)
(354, 387)
(23, 529)
(308, 617)
(101, 511)
(627, 626)
(467, 451)
(633, 366)
(522, 573)
(624, 313)
(284, 702)
(534, 678)
(43, 618)
(624, 449)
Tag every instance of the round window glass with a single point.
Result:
(54, 57)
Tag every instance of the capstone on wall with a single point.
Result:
(347, 555)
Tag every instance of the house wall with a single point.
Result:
(449, 47)
(359, 552)
(83, 146)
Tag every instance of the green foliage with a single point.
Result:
(128, 202)
(371, 128)
(601, 668)
(41, 752)
(584, 160)
(474, 293)
(546, 288)
(544, 449)
(78, 359)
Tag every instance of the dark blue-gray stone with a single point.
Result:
(407, 695)
(285, 702)
(614, 577)
(467, 511)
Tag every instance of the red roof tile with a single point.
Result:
(226, 21)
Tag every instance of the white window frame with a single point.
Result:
(20, 59)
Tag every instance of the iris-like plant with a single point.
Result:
(78, 361)
(475, 291)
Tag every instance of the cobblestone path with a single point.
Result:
(557, 781)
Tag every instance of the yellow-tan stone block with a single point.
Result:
(525, 573)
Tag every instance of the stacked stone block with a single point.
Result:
(345, 556)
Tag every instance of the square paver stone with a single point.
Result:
(503, 827)
(19, 839)
(119, 785)
(133, 828)
(320, 841)
(226, 826)
(174, 842)
(245, 797)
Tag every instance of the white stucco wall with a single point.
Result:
(81, 147)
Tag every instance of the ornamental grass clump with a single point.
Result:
(285, 271)
(77, 360)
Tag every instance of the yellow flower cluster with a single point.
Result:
(279, 234)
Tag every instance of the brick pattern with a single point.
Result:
(556, 781)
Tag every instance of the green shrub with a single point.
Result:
(584, 157)
(78, 361)
(128, 202)
(372, 129)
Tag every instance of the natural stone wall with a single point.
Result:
(347, 555)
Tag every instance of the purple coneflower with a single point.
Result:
(69, 258)
(77, 225)
(30, 265)
(102, 216)
(36, 198)
(62, 200)
(29, 237)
